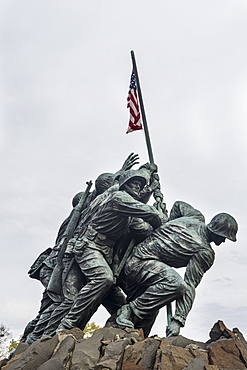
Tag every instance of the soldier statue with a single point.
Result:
(149, 278)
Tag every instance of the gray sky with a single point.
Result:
(65, 70)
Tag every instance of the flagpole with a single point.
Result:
(149, 147)
(144, 121)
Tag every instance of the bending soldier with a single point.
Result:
(149, 279)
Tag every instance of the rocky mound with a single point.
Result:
(125, 349)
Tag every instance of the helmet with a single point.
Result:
(224, 225)
(132, 174)
(104, 181)
(77, 198)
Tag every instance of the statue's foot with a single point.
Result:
(124, 316)
(61, 328)
(31, 338)
(65, 325)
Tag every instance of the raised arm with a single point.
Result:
(128, 206)
(129, 162)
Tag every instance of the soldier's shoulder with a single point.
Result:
(122, 195)
(118, 194)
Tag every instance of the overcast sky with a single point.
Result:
(65, 70)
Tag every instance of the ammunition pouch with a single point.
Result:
(92, 239)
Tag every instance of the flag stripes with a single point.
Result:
(133, 105)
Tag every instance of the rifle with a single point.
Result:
(55, 283)
(117, 268)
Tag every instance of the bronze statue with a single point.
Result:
(149, 278)
(43, 268)
(90, 256)
(94, 251)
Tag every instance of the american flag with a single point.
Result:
(133, 105)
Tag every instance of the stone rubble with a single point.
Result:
(118, 348)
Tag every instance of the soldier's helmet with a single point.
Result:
(77, 198)
(224, 225)
(132, 174)
(104, 182)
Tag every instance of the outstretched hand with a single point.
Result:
(173, 329)
(131, 160)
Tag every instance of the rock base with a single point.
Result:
(126, 349)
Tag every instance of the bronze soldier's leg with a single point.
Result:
(73, 281)
(114, 300)
(46, 301)
(42, 323)
(150, 285)
(99, 282)
(147, 323)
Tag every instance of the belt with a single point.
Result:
(94, 236)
